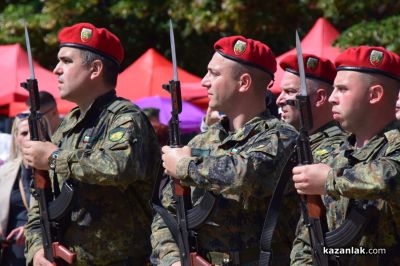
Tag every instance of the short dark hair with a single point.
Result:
(45, 98)
(111, 69)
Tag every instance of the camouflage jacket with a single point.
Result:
(242, 168)
(323, 142)
(368, 176)
(111, 152)
(326, 139)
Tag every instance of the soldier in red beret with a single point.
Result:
(320, 74)
(106, 148)
(363, 175)
(237, 159)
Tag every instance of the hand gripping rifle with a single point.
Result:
(313, 209)
(188, 255)
(52, 250)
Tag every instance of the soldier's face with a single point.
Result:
(72, 75)
(290, 85)
(350, 100)
(221, 84)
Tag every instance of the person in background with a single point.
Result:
(15, 180)
(48, 108)
(162, 131)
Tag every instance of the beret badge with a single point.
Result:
(86, 34)
(312, 63)
(239, 47)
(375, 58)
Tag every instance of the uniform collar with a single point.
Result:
(245, 130)
(95, 109)
(373, 144)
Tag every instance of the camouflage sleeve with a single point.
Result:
(376, 179)
(301, 250)
(250, 172)
(33, 239)
(165, 250)
(119, 158)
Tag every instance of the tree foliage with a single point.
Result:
(142, 24)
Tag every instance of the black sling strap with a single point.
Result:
(195, 216)
(271, 218)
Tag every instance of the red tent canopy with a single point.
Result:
(14, 69)
(145, 76)
(318, 41)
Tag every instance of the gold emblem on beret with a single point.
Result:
(376, 57)
(86, 34)
(239, 47)
(312, 63)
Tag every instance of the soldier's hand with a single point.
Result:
(310, 179)
(40, 260)
(36, 153)
(178, 263)
(171, 157)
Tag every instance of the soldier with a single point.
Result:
(320, 73)
(364, 173)
(237, 158)
(106, 147)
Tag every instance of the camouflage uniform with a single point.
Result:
(323, 142)
(242, 168)
(368, 175)
(112, 153)
(329, 135)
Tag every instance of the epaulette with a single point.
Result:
(121, 103)
(333, 131)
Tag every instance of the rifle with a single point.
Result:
(52, 250)
(187, 252)
(313, 209)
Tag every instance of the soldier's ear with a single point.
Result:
(376, 93)
(321, 97)
(245, 82)
(96, 69)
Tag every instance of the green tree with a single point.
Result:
(367, 22)
(144, 24)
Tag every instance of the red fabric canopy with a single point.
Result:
(145, 76)
(318, 41)
(14, 69)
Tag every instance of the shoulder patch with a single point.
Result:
(116, 134)
(322, 151)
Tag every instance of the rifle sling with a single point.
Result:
(195, 216)
(59, 207)
(271, 218)
(343, 236)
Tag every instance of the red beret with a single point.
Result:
(314, 67)
(247, 51)
(98, 40)
(371, 60)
